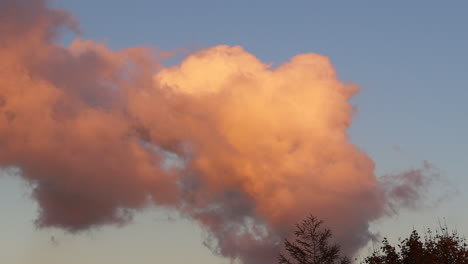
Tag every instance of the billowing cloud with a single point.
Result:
(244, 149)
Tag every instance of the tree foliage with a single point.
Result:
(311, 245)
(439, 248)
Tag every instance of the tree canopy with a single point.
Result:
(442, 247)
(311, 245)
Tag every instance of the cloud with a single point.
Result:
(241, 148)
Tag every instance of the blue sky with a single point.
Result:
(410, 59)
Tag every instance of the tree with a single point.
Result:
(441, 248)
(311, 245)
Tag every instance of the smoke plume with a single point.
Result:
(243, 149)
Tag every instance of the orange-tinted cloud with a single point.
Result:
(243, 149)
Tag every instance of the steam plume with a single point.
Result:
(243, 149)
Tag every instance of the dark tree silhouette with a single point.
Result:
(311, 245)
(441, 248)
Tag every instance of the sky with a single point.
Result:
(409, 59)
